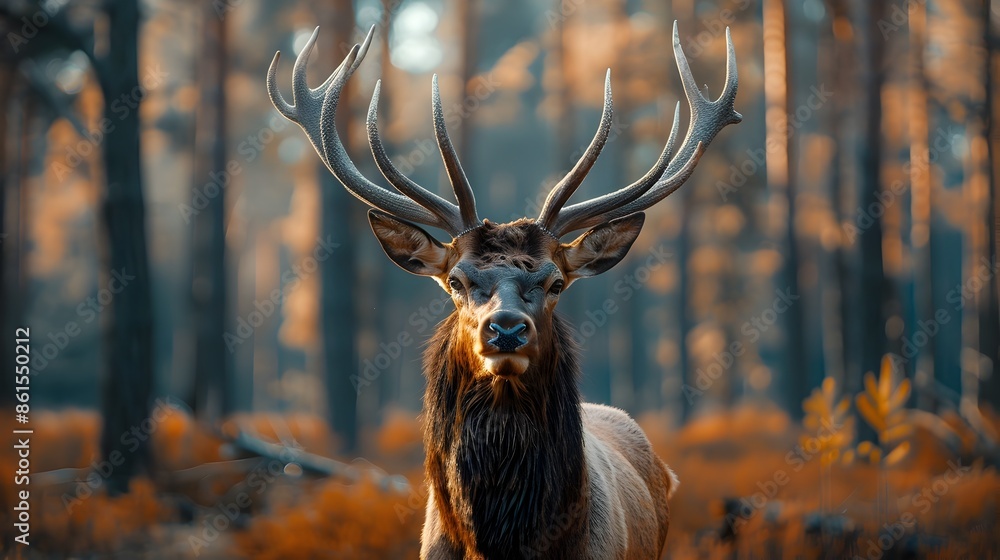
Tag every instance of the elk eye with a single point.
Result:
(557, 287)
(456, 284)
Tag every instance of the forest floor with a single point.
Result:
(753, 485)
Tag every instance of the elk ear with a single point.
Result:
(601, 248)
(410, 247)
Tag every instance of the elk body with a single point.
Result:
(517, 466)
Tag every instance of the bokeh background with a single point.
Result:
(808, 331)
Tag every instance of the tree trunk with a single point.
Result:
(17, 106)
(469, 29)
(781, 182)
(128, 383)
(213, 388)
(921, 197)
(990, 324)
(869, 289)
(338, 317)
(690, 393)
(833, 268)
(8, 238)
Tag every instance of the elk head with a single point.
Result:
(505, 279)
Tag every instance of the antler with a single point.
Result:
(314, 110)
(667, 175)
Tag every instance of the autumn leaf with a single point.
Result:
(882, 405)
(827, 420)
(897, 454)
(870, 412)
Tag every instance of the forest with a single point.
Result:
(213, 357)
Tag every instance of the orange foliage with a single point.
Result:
(753, 453)
(399, 434)
(339, 521)
(71, 523)
(752, 456)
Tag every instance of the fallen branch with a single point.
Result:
(313, 464)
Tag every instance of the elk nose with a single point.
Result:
(506, 331)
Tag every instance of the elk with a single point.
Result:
(517, 466)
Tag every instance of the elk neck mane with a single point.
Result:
(506, 462)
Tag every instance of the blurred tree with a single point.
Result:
(19, 98)
(213, 389)
(468, 26)
(9, 239)
(781, 155)
(868, 294)
(920, 200)
(951, 85)
(990, 325)
(559, 54)
(112, 50)
(128, 384)
(979, 329)
(684, 317)
(338, 316)
(843, 72)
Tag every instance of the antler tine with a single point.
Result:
(663, 188)
(570, 216)
(274, 93)
(568, 185)
(707, 119)
(300, 86)
(446, 210)
(313, 110)
(456, 175)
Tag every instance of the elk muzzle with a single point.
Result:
(506, 337)
(507, 340)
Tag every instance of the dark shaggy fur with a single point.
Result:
(520, 244)
(504, 466)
